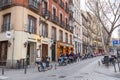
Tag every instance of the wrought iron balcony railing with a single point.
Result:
(5, 3)
(55, 19)
(45, 13)
(34, 4)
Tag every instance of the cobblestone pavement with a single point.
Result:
(83, 70)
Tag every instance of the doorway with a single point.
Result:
(53, 52)
(31, 52)
(44, 50)
(3, 52)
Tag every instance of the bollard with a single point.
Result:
(55, 66)
(3, 71)
(25, 70)
(119, 66)
(99, 63)
(114, 66)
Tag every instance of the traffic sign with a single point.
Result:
(115, 42)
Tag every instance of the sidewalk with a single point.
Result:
(96, 72)
(13, 73)
(90, 72)
(108, 71)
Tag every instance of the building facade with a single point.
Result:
(77, 27)
(30, 27)
(92, 40)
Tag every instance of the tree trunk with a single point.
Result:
(107, 45)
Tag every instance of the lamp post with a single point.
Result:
(78, 46)
(13, 52)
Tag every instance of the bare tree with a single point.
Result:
(108, 14)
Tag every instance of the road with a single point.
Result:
(83, 70)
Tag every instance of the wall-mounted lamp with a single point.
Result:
(25, 44)
(9, 43)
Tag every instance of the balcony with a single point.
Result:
(5, 4)
(62, 24)
(55, 19)
(67, 9)
(6, 27)
(71, 16)
(61, 4)
(34, 4)
(67, 27)
(85, 34)
(45, 13)
(71, 29)
(71, 2)
(55, 1)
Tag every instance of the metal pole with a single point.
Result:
(2, 70)
(99, 63)
(13, 52)
(25, 68)
(55, 66)
(119, 66)
(114, 66)
(26, 59)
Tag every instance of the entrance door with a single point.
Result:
(31, 53)
(53, 52)
(44, 50)
(28, 54)
(3, 52)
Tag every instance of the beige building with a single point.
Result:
(77, 27)
(92, 40)
(29, 28)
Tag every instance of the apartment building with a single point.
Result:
(92, 40)
(30, 27)
(77, 27)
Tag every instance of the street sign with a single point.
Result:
(8, 34)
(115, 42)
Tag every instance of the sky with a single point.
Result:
(115, 32)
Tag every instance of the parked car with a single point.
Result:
(105, 59)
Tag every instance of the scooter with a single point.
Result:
(43, 66)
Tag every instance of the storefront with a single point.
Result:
(63, 48)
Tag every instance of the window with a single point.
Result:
(61, 35)
(6, 22)
(66, 6)
(70, 39)
(66, 37)
(44, 30)
(45, 8)
(32, 25)
(53, 33)
(66, 21)
(54, 17)
(60, 18)
(54, 12)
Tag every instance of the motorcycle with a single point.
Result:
(43, 66)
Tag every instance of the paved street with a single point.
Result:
(83, 70)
